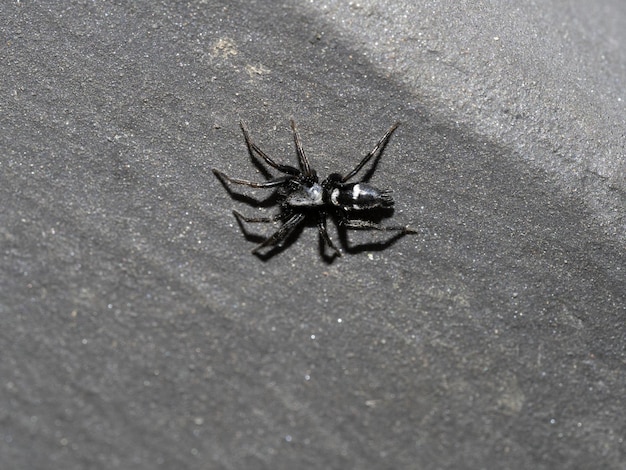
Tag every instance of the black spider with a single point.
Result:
(301, 195)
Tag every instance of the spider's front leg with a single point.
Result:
(254, 149)
(253, 220)
(321, 226)
(272, 183)
(278, 237)
(378, 149)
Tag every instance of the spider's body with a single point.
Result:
(302, 195)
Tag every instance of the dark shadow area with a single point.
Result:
(137, 330)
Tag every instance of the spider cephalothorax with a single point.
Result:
(301, 195)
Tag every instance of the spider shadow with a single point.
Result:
(327, 254)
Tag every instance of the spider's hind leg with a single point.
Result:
(367, 225)
(398, 231)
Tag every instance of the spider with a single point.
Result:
(302, 196)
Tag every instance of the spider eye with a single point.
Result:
(315, 193)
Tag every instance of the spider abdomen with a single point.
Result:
(360, 196)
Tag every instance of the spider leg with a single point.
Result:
(265, 184)
(244, 218)
(254, 148)
(278, 237)
(321, 226)
(302, 158)
(380, 146)
(367, 225)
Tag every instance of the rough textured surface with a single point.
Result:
(138, 332)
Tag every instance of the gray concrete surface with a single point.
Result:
(136, 329)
